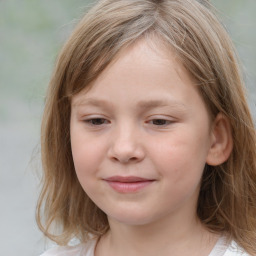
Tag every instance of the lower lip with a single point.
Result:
(128, 187)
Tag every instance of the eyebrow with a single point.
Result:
(145, 104)
(93, 102)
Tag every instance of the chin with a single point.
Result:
(132, 219)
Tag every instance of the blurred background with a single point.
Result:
(31, 34)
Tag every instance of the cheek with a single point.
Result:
(84, 159)
(181, 157)
(87, 154)
(86, 162)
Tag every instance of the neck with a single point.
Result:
(174, 237)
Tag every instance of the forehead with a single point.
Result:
(141, 77)
(134, 61)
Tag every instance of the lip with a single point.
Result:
(128, 184)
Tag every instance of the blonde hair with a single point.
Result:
(227, 200)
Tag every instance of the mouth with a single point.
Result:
(128, 184)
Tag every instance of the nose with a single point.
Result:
(126, 145)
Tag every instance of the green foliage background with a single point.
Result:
(31, 33)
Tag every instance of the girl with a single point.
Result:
(148, 145)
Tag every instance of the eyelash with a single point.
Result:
(92, 120)
(166, 122)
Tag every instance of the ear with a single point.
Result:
(222, 141)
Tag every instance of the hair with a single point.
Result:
(227, 199)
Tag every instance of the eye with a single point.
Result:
(160, 122)
(96, 121)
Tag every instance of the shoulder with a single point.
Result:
(86, 249)
(235, 250)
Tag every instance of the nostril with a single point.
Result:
(125, 159)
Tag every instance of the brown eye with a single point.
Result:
(97, 121)
(160, 122)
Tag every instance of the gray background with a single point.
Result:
(31, 33)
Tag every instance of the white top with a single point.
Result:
(223, 249)
(87, 249)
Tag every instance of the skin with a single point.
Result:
(144, 117)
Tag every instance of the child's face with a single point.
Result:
(140, 138)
